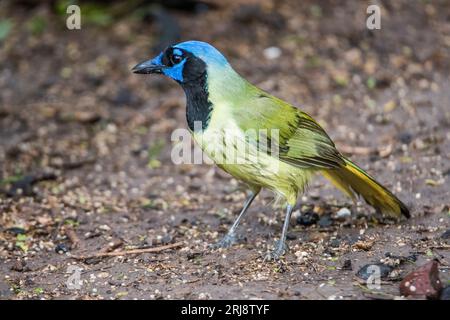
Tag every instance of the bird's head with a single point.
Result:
(184, 62)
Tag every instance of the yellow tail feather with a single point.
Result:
(351, 179)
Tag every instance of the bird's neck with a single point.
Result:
(198, 105)
(211, 88)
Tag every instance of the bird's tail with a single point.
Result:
(351, 179)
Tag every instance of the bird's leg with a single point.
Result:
(280, 245)
(230, 237)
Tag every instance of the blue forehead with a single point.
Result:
(204, 51)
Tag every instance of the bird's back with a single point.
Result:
(294, 147)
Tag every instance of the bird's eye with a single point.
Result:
(175, 59)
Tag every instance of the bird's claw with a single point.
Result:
(226, 242)
(275, 254)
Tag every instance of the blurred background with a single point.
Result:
(85, 143)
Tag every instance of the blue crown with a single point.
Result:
(204, 51)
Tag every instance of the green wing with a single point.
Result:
(301, 140)
(303, 143)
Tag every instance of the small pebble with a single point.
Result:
(335, 243)
(405, 137)
(325, 221)
(291, 236)
(347, 265)
(343, 213)
(446, 235)
(308, 218)
(445, 293)
(272, 53)
(166, 239)
(61, 248)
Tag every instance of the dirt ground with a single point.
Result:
(85, 149)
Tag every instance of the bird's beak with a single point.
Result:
(148, 66)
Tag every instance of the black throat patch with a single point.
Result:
(198, 106)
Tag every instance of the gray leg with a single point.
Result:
(230, 237)
(280, 245)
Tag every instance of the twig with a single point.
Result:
(71, 234)
(112, 246)
(383, 152)
(133, 251)
(56, 231)
(356, 150)
(441, 247)
(375, 294)
(75, 164)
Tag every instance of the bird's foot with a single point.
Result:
(280, 249)
(225, 242)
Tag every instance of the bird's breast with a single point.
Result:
(232, 148)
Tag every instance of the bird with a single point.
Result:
(223, 113)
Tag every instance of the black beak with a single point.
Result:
(147, 67)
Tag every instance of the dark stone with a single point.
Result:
(445, 294)
(114, 282)
(61, 248)
(325, 221)
(195, 186)
(335, 243)
(350, 239)
(166, 239)
(329, 252)
(291, 236)
(347, 265)
(308, 218)
(365, 272)
(405, 137)
(446, 235)
(16, 230)
(297, 292)
(29, 281)
(193, 255)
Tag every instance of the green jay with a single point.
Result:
(224, 111)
